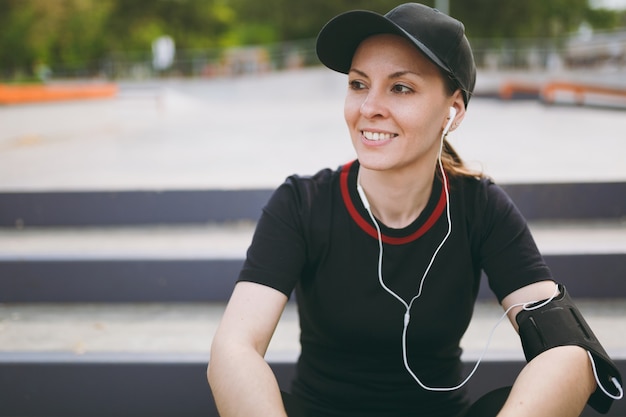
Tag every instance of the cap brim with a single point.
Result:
(340, 37)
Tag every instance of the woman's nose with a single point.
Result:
(373, 106)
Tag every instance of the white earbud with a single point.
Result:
(450, 121)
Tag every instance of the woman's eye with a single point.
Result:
(356, 85)
(403, 89)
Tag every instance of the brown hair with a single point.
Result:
(454, 165)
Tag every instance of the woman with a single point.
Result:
(385, 253)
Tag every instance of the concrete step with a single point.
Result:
(201, 262)
(538, 201)
(83, 359)
(163, 329)
(198, 241)
(230, 241)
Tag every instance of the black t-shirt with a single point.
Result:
(316, 237)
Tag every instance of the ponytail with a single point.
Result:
(453, 164)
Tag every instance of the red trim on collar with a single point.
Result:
(370, 229)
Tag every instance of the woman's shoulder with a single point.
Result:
(483, 200)
(321, 178)
(481, 189)
(312, 185)
(303, 190)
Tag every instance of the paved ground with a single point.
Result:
(253, 132)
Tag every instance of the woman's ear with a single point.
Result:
(458, 104)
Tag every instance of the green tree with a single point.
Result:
(82, 33)
(515, 19)
(606, 19)
(191, 23)
(301, 19)
(15, 23)
(37, 32)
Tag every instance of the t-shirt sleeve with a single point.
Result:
(277, 253)
(509, 254)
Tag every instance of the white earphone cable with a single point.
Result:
(614, 380)
(407, 315)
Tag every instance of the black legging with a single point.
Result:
(486, 406)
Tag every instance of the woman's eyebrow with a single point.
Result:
(361, 73)
(397, 74)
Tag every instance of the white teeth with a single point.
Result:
(377, 136)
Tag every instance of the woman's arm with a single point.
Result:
(556, 383)
(242, 382)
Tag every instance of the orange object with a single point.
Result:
(579, 91)
(16, 94)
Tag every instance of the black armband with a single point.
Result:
(545, 325)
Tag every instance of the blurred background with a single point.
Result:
(140, 139)
(117, 39)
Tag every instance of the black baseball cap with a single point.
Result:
(438, 36)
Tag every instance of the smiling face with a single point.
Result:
(396, 105)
